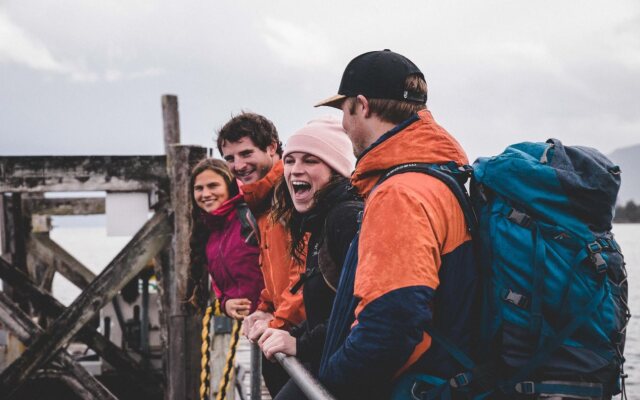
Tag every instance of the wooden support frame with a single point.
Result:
(128, 263)
(14, 246)
(43, 248)
(26, 330)
(111, 353)
(72, 382)
(82, 173)
(114, 355)
(66, 206)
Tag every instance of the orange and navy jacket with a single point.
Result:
(415, 265)
(279, 269)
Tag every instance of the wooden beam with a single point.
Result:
(118, 358)
(66, 206)
(26, 330)
(171, 121)
(127, 264)
(14, 248)
(52, 254)
(69, 380)
(13, 318)
(81, 173)
(184, 322)
(4, 241)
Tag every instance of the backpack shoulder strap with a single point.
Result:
(450, 174)
(248, 225)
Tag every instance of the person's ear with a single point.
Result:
(271, 149)
(363, 104)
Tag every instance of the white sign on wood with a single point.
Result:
(126, 213)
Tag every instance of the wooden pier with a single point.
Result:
(30, 259)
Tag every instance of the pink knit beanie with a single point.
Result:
(324, 138)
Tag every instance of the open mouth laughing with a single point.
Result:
(302, 192)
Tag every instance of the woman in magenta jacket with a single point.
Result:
(224, 237)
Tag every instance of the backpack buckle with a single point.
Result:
(527, 387)
(595, 250)
(618, 338)
(460, 380)
(594, 247)
(517, 299)
(519, 217)
(599, 262)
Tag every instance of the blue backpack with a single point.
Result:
(554, 291)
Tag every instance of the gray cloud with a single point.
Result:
(90, 76)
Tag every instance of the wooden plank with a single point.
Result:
(81, 173)
(118, 358)
(42, 271)
(66, 206)
(184, 323)
(26, 330)
(15, 245)
(52, 254)
(161, 267)
(127, 264)
(4, 242)
(170, 120)
(70, 381)
(14, 319)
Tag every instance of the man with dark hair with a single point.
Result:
(415, 262)
(250, 145)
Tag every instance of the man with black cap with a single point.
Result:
(415, 263)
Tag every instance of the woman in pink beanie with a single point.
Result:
(314, 203)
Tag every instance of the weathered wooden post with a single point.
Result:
(13, 249)
(14, 246)
(183, 334)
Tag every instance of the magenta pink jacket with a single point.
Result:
(232, 253)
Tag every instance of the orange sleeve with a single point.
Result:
(291, 310)
(266, 303)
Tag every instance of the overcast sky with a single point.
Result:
(86, 77)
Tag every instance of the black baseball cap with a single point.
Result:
(377, 75)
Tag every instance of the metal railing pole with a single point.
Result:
(256, 372)
(305, 381)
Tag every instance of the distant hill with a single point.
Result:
(628, 158)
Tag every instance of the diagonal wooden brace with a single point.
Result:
(26, 330)
(45, 249)
(119, 359)
(151, 238)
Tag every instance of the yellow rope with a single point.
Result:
(218, 311)
(225, 380)
(204, 365)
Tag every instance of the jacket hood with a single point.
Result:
(258, 194)
(419, 139)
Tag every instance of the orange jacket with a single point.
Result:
(279, 269)
(414, 265)
(411, 220)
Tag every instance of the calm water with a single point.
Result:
(628, 236)
(92, 247)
